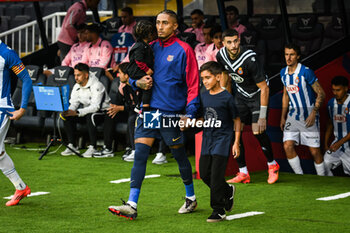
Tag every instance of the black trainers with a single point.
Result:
(125, 211)
(229, 202)
(217, 216)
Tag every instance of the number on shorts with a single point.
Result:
(288, 124)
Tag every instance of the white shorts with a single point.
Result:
(296, 131)
(338, 157)
(4, 127)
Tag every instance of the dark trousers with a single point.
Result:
(70, 126)
(212, 171)
(109, 130)
(131, 129)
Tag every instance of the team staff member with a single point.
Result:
(9, 60)
(175, 90)
(252, 97)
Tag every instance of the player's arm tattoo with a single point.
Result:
(320, 95)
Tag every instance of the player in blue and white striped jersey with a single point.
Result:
(338, 153)
(9, 60)
(302, 123)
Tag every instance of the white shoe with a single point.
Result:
(89, 152)
(131, 157)
(104, 153)
(68, 152)
(127, 152)
(159, 159)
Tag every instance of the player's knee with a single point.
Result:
(288, 146)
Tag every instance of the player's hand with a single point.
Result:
(335, 146)
(310, 121)
(262, 125)
(69, 113)
(145, 82)
(282, 123)
(16, 115)
(236, 151)
(113, 110)
(183, 121)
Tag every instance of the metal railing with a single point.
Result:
(26, 39)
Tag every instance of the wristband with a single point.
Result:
(263, 112)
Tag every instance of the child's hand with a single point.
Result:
(182, 122)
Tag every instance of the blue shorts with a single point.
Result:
(172, 136)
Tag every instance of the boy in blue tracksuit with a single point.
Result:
(220, 114)
(175, 90)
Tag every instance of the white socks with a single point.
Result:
(271, 163)
(7, 167)
(320, 169)
(243, 170)
(295, 164)
(132, 204)
(192, 198)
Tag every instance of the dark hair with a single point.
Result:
(80, 27)
(123, 67)
(128, 10)
(340, 81)
(213, 67)
(170, 13)
(93, 28)
(229, 32)
(232, 8)
(197, 12)
(215, 29)
(143, 29)
(295, 47)
(82, 67)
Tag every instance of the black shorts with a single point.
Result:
(248, 108)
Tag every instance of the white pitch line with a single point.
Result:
(30, 195)
(128, 179)
(243, 215)
(335, 197)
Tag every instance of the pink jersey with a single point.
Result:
(200, 53)
(239, 28)
(210, 53)
(99, 54)
(75, 54)
(76, 15)
(198, 32)
(127, 28)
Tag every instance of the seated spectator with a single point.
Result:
(213, 49)
(88, 96)
(202, 47)
(197, 18)
(337, 156)
(128, 20)
(76, 52)
(232, 16)
(76, 15)
(99, 53)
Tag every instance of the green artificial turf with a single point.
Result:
(80, 194)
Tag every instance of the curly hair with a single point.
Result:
(144, 29)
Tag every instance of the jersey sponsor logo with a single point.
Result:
(170, 58)
(292, 89)
(240, 71)
(339, 118)
(235, 77)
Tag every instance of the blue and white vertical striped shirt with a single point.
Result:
(299, 88)
(339, 113)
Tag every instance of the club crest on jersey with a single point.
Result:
(292, 89)
(346, 111)
(339, 118)
(297, 80)
(170, 58)
(240, 71)
(235, 77)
